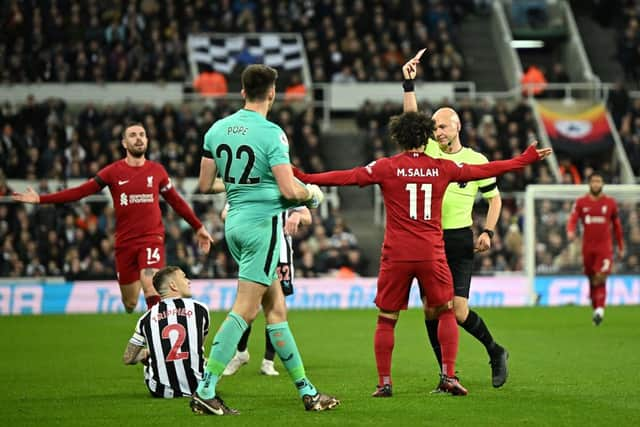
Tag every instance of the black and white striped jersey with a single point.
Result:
(174, 330)
(285, 263)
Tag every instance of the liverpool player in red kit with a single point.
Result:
(135, 184)
(598, 213)
(413, 185)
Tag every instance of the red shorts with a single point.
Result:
(395, 278)
(597, 262)
(131, 259)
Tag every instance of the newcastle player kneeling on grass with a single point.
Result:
(169, 338)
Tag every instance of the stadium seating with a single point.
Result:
(501, 131)
(91, 41)
(49, 142)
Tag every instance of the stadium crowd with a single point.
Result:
(500, 131)
(625, 17)
(49, 143)
(49, 140)
(92, 41)
(626, 115)
(52, 143)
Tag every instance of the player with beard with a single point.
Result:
(597, 212)
(135, 184)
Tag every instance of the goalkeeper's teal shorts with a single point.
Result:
(256, 249)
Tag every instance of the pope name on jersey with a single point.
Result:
(245, 146)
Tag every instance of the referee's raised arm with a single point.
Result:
(409, 71)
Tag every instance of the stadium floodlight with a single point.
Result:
(527, 44)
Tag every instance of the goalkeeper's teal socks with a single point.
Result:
(282, 340)
(222, 350)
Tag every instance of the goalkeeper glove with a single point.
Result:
(316, 196)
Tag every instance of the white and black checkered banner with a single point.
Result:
(222, 52)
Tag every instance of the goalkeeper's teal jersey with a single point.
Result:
(245, 146)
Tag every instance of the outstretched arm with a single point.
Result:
(292, 189)
(338, 178)
(466, 172)
(69, 195)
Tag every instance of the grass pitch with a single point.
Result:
(67, 370)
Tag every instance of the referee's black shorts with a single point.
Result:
(458, 246)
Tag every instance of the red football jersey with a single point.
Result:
(597, 216)
(413, 185)
(136, 199)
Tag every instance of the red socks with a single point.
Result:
(598, 295)
(384, 340)
(152, 300)
(448, 337)
(383, 345)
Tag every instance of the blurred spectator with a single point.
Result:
(557, 75)
(211, 83)
(296, 89)
(345, 75)
(533, 81)
(619, 102)
(568, 172)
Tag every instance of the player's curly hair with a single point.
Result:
(257, 79)
(411, 130)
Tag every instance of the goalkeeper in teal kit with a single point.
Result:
(251, 154)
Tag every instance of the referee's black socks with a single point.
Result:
(476, 327)
(432, 331)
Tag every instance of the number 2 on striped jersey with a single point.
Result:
(413, 200)
(175, 353)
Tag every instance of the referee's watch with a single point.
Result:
(489, 233)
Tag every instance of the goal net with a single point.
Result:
(554, 265)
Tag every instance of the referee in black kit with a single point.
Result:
(457, 206)
(169, 338)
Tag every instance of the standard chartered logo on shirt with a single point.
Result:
(135, 198)
(594, 219)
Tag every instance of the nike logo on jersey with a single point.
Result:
(122, 182)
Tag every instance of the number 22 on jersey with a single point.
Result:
(414, 196)
(251, 158)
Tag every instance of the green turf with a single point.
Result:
(66, 370)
